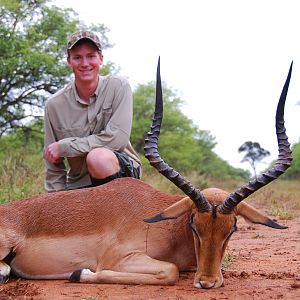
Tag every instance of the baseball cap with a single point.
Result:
(79, 35)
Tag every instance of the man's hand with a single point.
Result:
(52, 153)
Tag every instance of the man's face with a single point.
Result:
(85, 60)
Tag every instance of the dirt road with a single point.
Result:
(265, 265)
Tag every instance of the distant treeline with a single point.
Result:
(33, 38)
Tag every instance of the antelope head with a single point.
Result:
(213, 212)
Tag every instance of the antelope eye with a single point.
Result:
(233, 230)
(191, 224)
(192, 219)
(230, 234)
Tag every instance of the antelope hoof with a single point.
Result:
(4, 273)
(4, 279)
(75, 276)
(83, 275)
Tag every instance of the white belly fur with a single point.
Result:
(56, 258)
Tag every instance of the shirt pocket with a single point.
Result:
(102, 119)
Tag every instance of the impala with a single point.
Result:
(104, 234)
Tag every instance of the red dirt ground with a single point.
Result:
(266, 265)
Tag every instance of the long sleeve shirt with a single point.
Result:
(79, 127)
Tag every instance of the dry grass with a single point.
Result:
(22, 176)
(161, 183)
(280, 199)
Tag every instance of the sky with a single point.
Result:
(227, 60)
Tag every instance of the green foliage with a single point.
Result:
(294, 171)
(33, 39)
(182, 145)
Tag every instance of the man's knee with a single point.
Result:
(102, 162)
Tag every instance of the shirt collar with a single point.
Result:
(93, 97)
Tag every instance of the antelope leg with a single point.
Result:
(137, 268)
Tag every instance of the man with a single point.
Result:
(88, 123)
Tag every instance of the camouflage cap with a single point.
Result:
(77, 36)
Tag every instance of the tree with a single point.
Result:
(32, 57)
(254, 153)
(182, 144)
(177, 131)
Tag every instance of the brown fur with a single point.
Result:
(102, 229)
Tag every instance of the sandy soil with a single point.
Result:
(266, 265)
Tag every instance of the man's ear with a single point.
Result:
(68, 57)
(101, 58)
(68, 61)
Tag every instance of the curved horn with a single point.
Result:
(152, 154)
(282, 164)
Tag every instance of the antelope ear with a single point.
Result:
(249, 213)
(172, 212)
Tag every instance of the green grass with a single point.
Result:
(22, 175)
(228, 260)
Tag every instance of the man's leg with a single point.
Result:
(102, 162)
(105, 165)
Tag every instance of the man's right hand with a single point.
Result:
(52, 153)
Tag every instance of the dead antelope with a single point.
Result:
(97, 235)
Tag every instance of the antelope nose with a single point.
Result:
(205, 284)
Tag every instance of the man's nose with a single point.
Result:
(84, 61)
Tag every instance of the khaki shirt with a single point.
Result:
(79, 127)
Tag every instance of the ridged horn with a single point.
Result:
(152, 154)
(282, 164)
